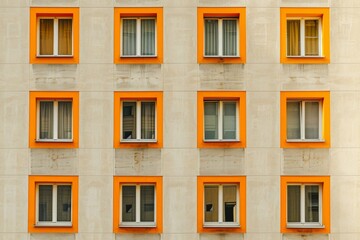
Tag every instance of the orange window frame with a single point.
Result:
(240, 181)
(138, 12)
(325, 182)
(240, 97)
(234, 12)
(33, 181)
(324, 96)
(36, 96)
(35, 13)
(138, 96)
(322, 13)
(118, 182)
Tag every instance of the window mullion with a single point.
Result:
(220, 34)
(302, 120)
(220, 119)
(56, 37)
(138, 120)
(302, 37)
(302, 203)
(55, 129)
(138, 36)
(138, 207)
(54, 205)
(220, 207)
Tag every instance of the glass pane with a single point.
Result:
(65, 120)
(311, 37)
(64, 203)
(129, 37)
(211, 203)
(45, 203)
(311, 203)
(230, 37)
(229, 197)
(293, 38)
(147, 37)
(211, 120)
(46, 120)
(293, 120)
(312, 120)
(128, 204)
(147, 203)
(129, 120)
(229, 120)
(148, 120)
(211, 37)
(46, 41)
(293, 203)
(65, 37)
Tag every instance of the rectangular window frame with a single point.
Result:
(324, 214)
(118, 225)
(240, 225)
(33, 225)
(234, 96)
(325, 139)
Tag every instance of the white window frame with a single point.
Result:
(138, 37)
(221, 222)
(55, 37)
(138, 122)
(54, 221)
(55, 123)
(302, 36)
(302, 122)
(137, 222)
(220, 122)
(220, 38)
(302, 223)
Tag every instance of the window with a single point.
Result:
(137, 204)
(54, 119)
(306, 204)
(221, 119)
(54, 36)
(138, 35)
(305, 119)
(53, 204)
(305, 35)
(221, 204)
(221, 35)
(138, 119)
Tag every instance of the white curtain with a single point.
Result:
(65, 37)
(65, 120)
(311, 203)
(311, 37)
(64, 203)
(211, 206)
(128, 208)
(211, 120)
(46, 120)
(46, 37)
(312, 120)
(148, 120)
(211, 37)
(293, 120)
(129, 120)
(129, 37)
(147, 37)
(293, 203)
(147, 203)
(45, 203)
(229, 120)
(293, 38)
(229, 38)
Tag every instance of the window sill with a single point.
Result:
(139, 141)
(54, 56)
(220, 140)
(305, 140)
(305, 56)
(207, 56)
(141, 56)
(305, 225)
(54, 140)
(53, 224)
(221, 225)
(137, 225)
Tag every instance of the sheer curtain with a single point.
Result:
(148, 120)
(211, 201)
(311, 203)
(64, 203)
(211, 37)
(65, 120)
(293, 203)
(229, 120)
(46, 120)
(147, 203)
(312, 120)
(311, 37)
(46, 36)
(65, 37)
(147, 37)
(293, 120)
(45, 203)
(293, 38)
(229, 37)
(211, 120)
(128, 210)
(129, 37)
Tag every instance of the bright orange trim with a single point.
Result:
(33, 180)
(34, 97)
(241, 182)
(239, 96)
(238, 12)
(305, 95)
(36, 12)
(118, 181)
(120, 96)
(138, 12)
(305, 12)
(325, 181)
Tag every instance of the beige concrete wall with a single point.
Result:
(180, 77)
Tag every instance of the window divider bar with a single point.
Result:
(220, 207)
(138, 37)
(220, 119)
(138, 207)
(56, 122)
(302, 120)
(302, 203)
(56, 37)
(220, 37)
(54, 204)
(302, 37)
(138, 119)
